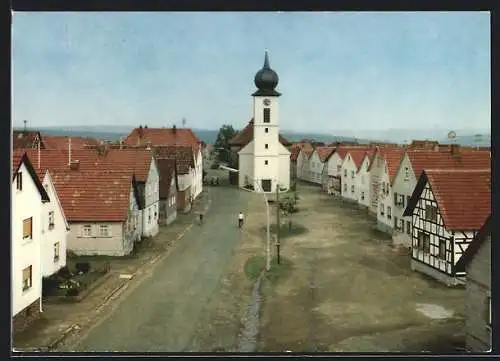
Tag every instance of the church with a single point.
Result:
(263, 159)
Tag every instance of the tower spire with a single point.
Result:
(266, 61)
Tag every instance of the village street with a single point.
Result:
(161, 311)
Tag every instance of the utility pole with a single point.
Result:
(278, 225)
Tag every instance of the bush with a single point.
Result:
(215, 165)
(49, 285)
(71, 292)
(82, 267)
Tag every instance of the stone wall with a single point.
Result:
(26, 317)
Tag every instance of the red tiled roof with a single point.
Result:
(97, 195)
(463, 196)
(17, 156)
(392, 157)
(162, 136)
(294, 153)
(166, 170)
(181, 154)
(24, 139)
(342, 150)
(246, 135)
(58, 159)
(324, 153)
(357, 155)
(446, 160)
(133, 160)
(62, 142)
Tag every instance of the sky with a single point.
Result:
(357, 71)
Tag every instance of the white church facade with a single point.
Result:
(264, 162)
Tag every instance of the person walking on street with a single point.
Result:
(240, 219)
(201, 218)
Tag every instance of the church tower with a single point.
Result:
(271, 160)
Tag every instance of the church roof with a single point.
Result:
(245, 136)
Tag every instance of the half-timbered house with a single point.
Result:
(410, 168)
(447, 207)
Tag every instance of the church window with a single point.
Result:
(267, 115)
(266, 130)
(267, 146)
(265, 162)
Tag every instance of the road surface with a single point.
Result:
(161, 312)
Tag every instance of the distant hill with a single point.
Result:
(209, 136)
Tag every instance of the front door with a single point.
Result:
(266, 185)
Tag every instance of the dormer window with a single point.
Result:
(19, 181)
(267, 115)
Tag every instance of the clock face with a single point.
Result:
(267, 102)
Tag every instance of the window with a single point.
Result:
(339, 167)
(19, 181)
(267, 115)
(402, 200)
(103, 230)
(396, 199)
(266, 130)
(407, 199)
(383, 187)
(345, 172)
(408, 227)
(149, 215)
(389, 214)
(27, 278)
(424, 242)
(265, 162)
(28, 228)
(381, 209)
(407, 173)
(352, 189)
(396, 225)
(352, 174)
(345, 187)
(431, 213)
(362, 196)
(266, 146)
(87, 230)
(56, 251)
(442, 248)
(51, 219)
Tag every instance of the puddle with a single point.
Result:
(434, 312)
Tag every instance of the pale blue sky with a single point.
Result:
(356, 71)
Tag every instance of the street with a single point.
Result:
(161, 311)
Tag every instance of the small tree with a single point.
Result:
(221, 146)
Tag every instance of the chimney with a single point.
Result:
(74, 165)
(25, 125)
(69, 151)
(121, 142)
(455, 149)
(140, 131)
(148, 145)
(146, 126)
(174, 129)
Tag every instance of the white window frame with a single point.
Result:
(87, 230)
(26, 286)
(104, 230)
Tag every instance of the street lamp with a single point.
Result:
(268, 226)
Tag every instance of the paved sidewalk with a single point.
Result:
(59, 320)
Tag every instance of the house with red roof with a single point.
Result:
(333, 167)
(102, 208)
(64, 141)
(155, 137)
(477, 264)
(412, 164)
(140, 163)
(28, 199)
(363, 180)
(379, 174)
(183, 159)
(448, 207)
(27, 139)
(303, 169)
(349, 170)
(168, 190)
(391, 158)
